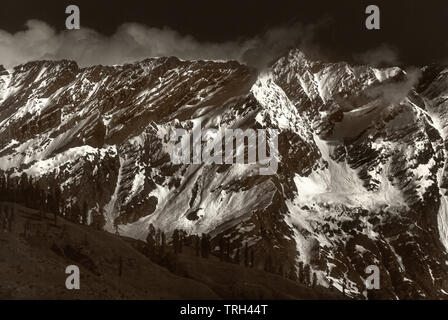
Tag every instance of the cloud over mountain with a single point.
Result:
(133, 41)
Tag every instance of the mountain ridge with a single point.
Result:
(360, 179)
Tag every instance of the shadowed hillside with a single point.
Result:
(36, 248)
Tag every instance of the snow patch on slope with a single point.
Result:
(277, 109)
(325, 191)
(339, 183)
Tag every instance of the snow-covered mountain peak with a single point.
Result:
(362, 159)
(329, 81)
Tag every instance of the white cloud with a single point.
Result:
(383, 55)
(134, 41)
(394, 92)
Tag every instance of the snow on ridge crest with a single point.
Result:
(322, 81)
(276, 106)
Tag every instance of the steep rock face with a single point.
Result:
(378, 199)
(362, 158)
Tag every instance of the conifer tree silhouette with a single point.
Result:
(151, 240)
(162, 245)
(237, 256)
(176, 241)
(85, 213)
(306, 275)
(252, 258)
(57, 199)
(301, 276)
(246, 255)
(221, 248)
(181, 240)
(268, 265)
(120, 266)
(197, 245)
(314, 284)
(228, 250)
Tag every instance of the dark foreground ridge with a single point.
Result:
(36, 248)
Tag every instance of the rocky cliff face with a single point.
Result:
(362, 159)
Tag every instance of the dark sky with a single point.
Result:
(417, 29)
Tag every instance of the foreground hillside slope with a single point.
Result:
(33, 267)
